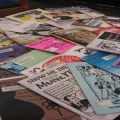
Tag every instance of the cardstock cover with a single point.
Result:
(51, 44)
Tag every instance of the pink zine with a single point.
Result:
(51, 44)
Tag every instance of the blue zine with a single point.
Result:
(103, 60)
(101, 88)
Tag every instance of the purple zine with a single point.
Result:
(51, 44)
(10, 52)
(116, 63)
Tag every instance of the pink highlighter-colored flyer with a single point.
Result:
(51, 44)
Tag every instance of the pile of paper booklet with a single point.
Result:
(60, 64)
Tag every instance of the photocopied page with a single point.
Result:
(59, 85)
(103, 87)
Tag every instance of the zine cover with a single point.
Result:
(107, 42)
(33, 15)
(69, 56)
(116, 63)
(59, 85)
(51, 44)
(6, 25)
(18, 102)
(103, 87)
(10, 52)
(6, 74)
(5, 40)
(111, 20)
(35, 28)
(82, 9)
(12, 67)
(22, 38)
(91, 22)
(71, 15)
(104, 61)
(76, 35)
(108, 29)
(26, 39)
(32, 58)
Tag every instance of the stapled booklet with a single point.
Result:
(101, 88)
(107, 42)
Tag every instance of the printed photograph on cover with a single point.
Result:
(77, 35)
(12, 67)
(107, 42)
(32, 58)
(33, 15)
(59, 85)
(104, 61)
(6, 74)
(8, 53)
(103, 87)
(69, 56)
(51, 44)
(18, 102)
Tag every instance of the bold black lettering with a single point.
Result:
(42, 85)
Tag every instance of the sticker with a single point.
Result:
(12, 88)
(109, 43)
(104, 103)
(57, 41)
(26, 38)
(96, 70)
(25, 60)
(110, 57)
(52, 49)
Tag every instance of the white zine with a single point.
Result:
(69, 56)
(37, 28)
(59, 85)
